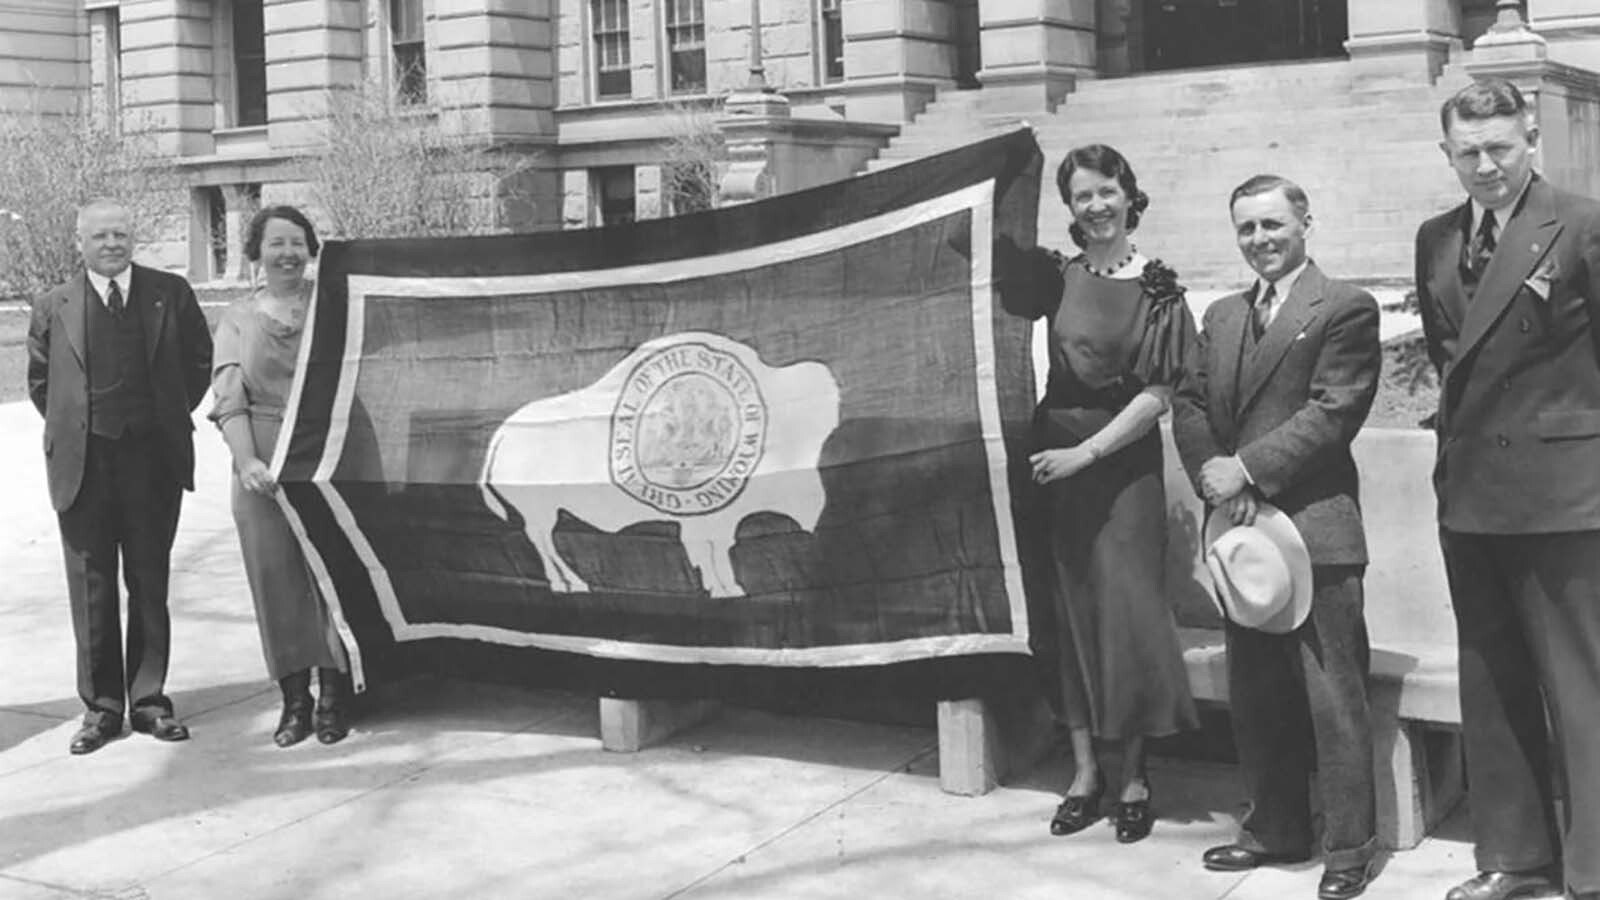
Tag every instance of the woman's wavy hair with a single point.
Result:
(1107, 161)
(258, 227)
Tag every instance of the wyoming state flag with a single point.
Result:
(782, 434)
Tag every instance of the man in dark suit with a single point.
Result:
(1285, 376)
(118, 358)
(1509, 287)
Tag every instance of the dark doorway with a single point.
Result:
(968, 58)
(1180, 34)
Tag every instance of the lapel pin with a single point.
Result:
(1534, 248)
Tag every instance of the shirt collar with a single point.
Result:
(1283, 285)
(1502, 214)
(102, 284)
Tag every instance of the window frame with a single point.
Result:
(408, 53)
(672, 26)
(830, 10)
(621, 30)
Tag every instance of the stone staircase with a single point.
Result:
(1365, 151)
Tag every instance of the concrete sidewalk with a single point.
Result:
(452, 789)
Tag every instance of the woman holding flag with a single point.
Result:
(257, 347)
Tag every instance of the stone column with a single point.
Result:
(1565, 99)
(166, 74)
(313, 47)
(239, 204)
(493, 66)
(1034, 51)
(575, 199)
(897, 55)
(648, 202)
(1403, 37)
(1572, 28)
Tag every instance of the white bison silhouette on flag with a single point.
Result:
(691, 428)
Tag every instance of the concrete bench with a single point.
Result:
(1413, 687)
(1416, 717)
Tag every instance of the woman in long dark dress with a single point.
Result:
(1120, 338)
(257, 347)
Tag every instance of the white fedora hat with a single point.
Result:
(1261, 572)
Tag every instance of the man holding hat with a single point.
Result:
(1284, 377)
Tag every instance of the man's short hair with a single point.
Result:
(94, 205)
(1490, 98)
(1256, 185)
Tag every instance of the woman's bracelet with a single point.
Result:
(1094, 449)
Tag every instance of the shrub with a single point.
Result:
(50, 165)
(384, 171)
(693, 158)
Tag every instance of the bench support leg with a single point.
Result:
(628, 726)
(1417, 772)
(982, 742)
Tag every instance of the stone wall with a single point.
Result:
(42, 50)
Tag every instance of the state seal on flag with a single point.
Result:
(688, 430)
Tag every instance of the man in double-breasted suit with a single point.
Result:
(1509, 287)
(118, 358)
(1286, 374)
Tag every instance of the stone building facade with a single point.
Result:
(595, 93)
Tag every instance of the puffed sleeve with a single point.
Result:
(231, 398)
(1170, 339)
(1028, 281)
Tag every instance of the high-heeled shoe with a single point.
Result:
(1077, 813)
(294, 725)
(330, 717)
(1133, 820)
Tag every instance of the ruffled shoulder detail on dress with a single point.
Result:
(1160, 283)
(1169, 344)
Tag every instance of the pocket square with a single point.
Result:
(1542, 278)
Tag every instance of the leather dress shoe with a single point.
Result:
(1078, 812)
(1133, 820)
(1234, 858)
(162, 728)
(294, 725)
(1535, 885)
(92, 737)
(331, 725)
(1342, 884)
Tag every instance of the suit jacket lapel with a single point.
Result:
(152, 306)
(75, 315)
(1286, 327)
(1445, 285)
(1523, 242)
(1226, 351)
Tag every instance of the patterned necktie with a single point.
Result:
(1482, 248)
(1261, 312)
(114, 298)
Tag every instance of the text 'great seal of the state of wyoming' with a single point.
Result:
(691, 428)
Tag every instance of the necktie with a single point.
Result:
(114, 298)
(1261, 313)
(1483, 244)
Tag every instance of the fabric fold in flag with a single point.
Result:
(790, 433)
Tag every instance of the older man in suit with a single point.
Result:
(1509, 287)
(1285, 377)
(118, 358)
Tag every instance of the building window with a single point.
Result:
(410, 57)
(609, 22)
(106, 65)
(833, 40)
(613, 188)
(249, 64)
(686, 42)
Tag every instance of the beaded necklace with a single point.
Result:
(1112, 270)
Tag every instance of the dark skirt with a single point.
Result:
(1117, 654)
(297, 632)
